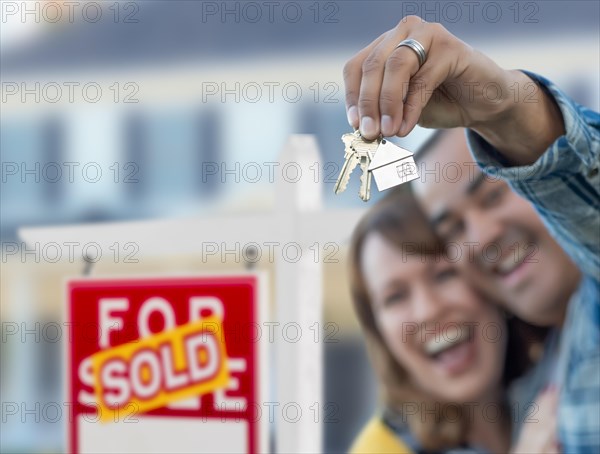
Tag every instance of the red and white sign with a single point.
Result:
(166, 365)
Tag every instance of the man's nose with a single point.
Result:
(482, 230)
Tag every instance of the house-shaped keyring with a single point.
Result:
(392, 166)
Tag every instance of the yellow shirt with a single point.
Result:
(376, 437)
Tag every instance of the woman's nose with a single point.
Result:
(426, 305)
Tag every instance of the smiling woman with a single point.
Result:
(440, 350)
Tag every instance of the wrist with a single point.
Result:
(523, 127)
(502, 111)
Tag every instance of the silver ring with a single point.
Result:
(417, 47)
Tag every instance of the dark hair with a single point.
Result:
(399, 219)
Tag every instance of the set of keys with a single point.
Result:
(390, 164)
(357, 152)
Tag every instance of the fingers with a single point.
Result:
(548, 398)
(373, 69)
(420, 91)
(388, 92)
(353, 78)
(364, 80)
(401, 65)
(547, 402)
(539, 433)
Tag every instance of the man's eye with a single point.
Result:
(451, 230)
(493, 197)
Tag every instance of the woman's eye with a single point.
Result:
(445, 274)
(394, 298)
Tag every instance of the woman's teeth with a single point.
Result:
(446, 339)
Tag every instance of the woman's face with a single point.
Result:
(451, 343)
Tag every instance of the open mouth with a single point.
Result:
(452, 350)
(514, 259)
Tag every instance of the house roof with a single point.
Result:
(177, 31)
(388, 153)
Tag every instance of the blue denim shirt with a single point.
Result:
(564, 186)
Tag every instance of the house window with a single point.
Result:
(31, 162)
(167, 150)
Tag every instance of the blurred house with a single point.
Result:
(159, 126)
(160, 120)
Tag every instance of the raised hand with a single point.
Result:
(388, 92)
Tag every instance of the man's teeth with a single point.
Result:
(445, 340)
(513, 260)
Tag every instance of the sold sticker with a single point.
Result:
(149, 373)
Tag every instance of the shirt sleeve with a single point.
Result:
(564, 183)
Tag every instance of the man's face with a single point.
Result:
(497, 235)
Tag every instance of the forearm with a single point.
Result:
(522, 131)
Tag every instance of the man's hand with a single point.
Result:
(388, 93)
(540, 436)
